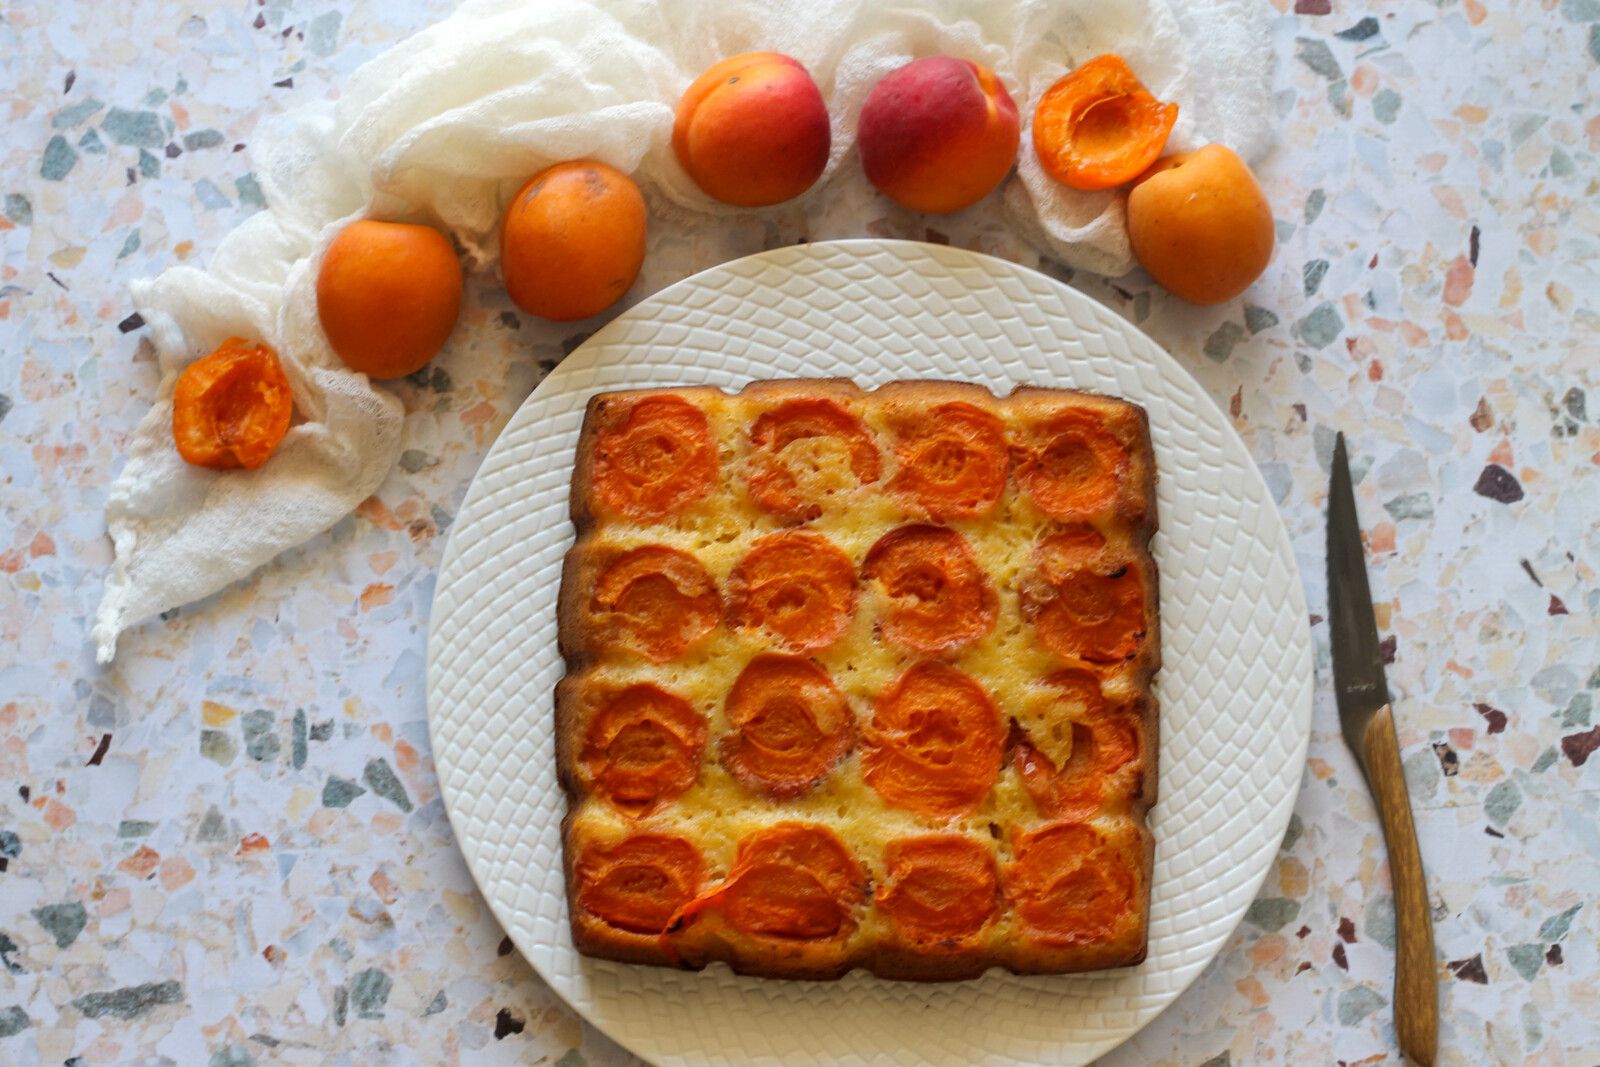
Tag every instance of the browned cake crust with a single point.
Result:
(1031, 826)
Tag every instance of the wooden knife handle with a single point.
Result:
(1416, 989)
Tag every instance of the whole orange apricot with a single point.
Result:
(388, 295)
(1200, 224)
(938, 134)
(573, 240)
(753, 130)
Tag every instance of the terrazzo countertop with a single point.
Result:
(229, 848)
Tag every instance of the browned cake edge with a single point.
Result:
(599, 940)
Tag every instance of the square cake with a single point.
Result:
(860, 679)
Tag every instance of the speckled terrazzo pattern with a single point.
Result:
(230, 849)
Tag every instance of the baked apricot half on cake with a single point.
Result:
(639, 883)
(1072, 464)
(793, 882)
(1085, 602)
(939, 889)
(1066, 888)
(806, 450)
(797, 585)
(641, 748)
(938, 598)
(656, 601)
(1103, 740)
(231, 408)
(652, 457)
(951, 460)
(790, 725)
(934, 743)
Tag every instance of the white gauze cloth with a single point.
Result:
(445, 127)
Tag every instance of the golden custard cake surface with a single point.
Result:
(860, 679)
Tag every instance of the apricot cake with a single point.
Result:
(860, 679)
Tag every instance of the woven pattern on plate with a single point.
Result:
(1235, 685)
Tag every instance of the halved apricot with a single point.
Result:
(638, 883)
(791, 882)
(940, 600)
(231, 408)
(1099, 126)
(1072, 464)
(655, 600)
(934, 743)
(642, 748)
(1105, 739)
(938, 888)
(773, 474)
(654, 458)
(790, 725)
(1065, 887)
(1085, 602)
(952, 460)
(797, 584)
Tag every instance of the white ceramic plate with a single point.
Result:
(1235, 688)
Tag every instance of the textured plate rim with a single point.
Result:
(1297, 690)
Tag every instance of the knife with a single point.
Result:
(1367, 720)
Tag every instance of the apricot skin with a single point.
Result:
(1200, 225)
(753, 130)
(573, 240)
(938, 134)
(388, 295)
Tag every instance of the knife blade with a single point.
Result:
(1367, 721)
(1359, 685)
